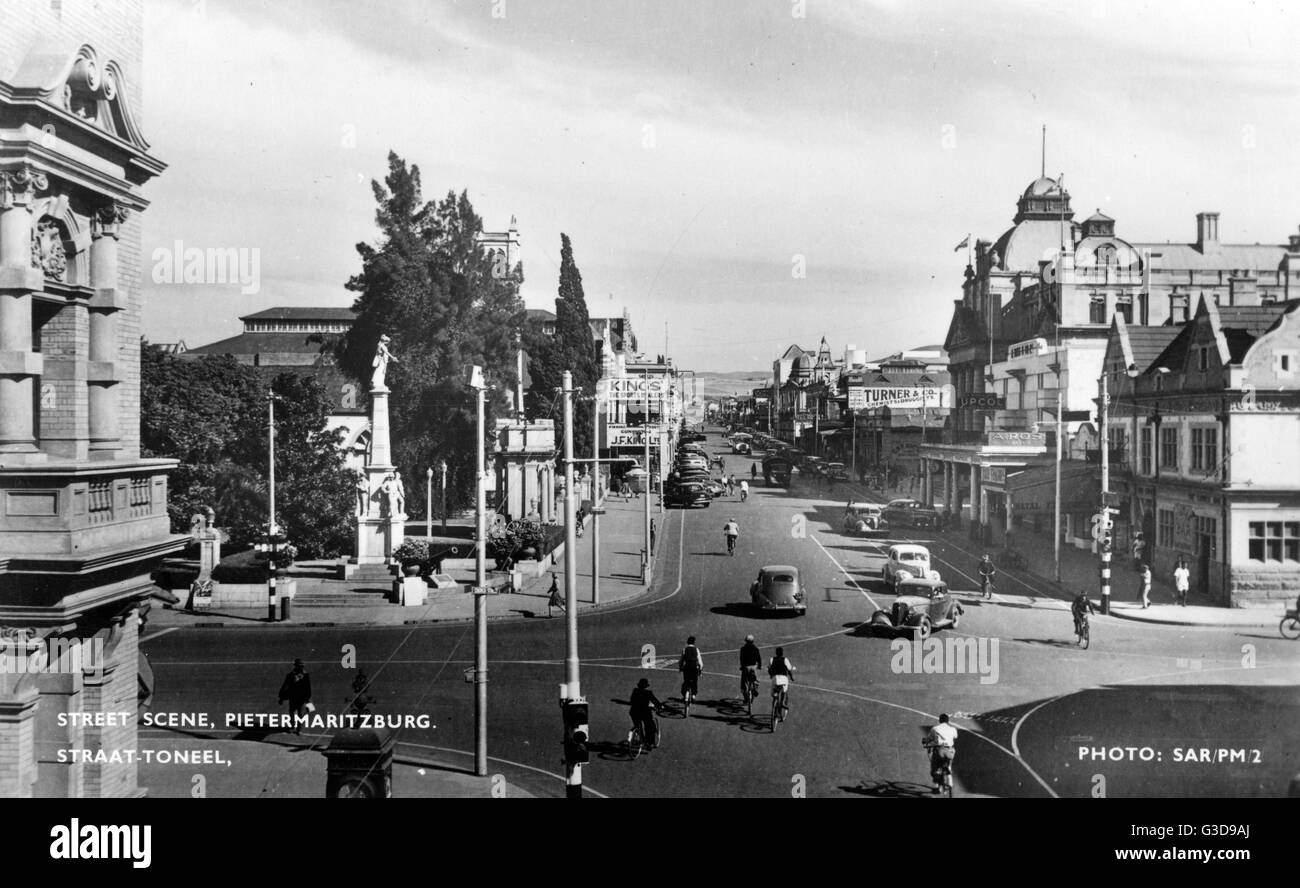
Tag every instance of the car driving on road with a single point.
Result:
(778, 589)
(906, 560)
(922, 606)
(864, 518)
(910, 513)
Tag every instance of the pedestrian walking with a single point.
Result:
(1144, 578)
(556, 599)
(753, 471)
(1182, 582)
(296, 691)
(1139, 551)
(652, 536)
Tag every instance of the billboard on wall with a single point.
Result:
(625, 436)
(899, 397)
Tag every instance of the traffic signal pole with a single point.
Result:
(572, 695)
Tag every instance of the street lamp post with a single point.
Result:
(270, 528)
(595, 499)
(442, 466)
(428, 502)
(572, 687)
(477, 383)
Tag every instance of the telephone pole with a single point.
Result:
(595, 499)
(270, 528)
(480, 583)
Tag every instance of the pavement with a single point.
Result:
(621, 540)
(1080, 570)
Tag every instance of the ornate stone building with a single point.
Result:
(83, 519)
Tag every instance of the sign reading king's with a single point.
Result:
(899, 397)
(634, 388)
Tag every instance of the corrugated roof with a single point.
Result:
(1223, 258)
(257, 343)
(1148, 342)
(1253, 319)
(302, 313)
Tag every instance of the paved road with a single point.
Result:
(858, 709)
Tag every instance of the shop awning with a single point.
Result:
(1033, 489)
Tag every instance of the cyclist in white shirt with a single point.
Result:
(941, 741)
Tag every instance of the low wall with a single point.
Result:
(250, 594)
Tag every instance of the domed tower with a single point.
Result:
(802, 370)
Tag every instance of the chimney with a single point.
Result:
(1207, 232)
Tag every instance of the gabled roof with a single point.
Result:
(792, 352)
(966, 327)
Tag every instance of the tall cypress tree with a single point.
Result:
(575, 347)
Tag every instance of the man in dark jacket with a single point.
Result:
(296, 691)
(644, 705)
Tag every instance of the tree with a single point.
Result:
(571, 348)
(211, 414)
(446, 306)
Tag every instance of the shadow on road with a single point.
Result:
(1049, 642)
(890, 789)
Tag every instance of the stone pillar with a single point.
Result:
(926, 499)
(974, 493)
(102, 374)
(19, 365)
(18, 707)
(949, 483)
(379, 531)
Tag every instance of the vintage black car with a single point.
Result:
(910, 513)
(687, 495)
(778, 589)
(922, 606)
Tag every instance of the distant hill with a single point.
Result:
(721, 385)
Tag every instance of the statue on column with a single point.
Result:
(380, 363)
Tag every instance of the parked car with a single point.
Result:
(687, 495)
(922, 606)
(910, 513)
(776, 470)
(836, 471)
(715, 487)
(779, 589)
(906, 560)
(864, 518)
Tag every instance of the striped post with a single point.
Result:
(1105, 575)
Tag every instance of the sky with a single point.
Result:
(737, 175)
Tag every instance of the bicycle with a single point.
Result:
(731, 545)
(945, 769)
(780, 699)
(987, 588)
(1082, 631)
(749, 688)
(637, 742)
(744, 494)
(688, 693)
(1290, 625)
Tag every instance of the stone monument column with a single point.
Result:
(381, 526)
(19, 365)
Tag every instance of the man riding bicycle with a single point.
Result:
(751, 660)
(781, 671)
(1078, 608)
(644, 705)
(987, 572)
(690, 666)
(731, 530)
(941, 741)
(744, 491)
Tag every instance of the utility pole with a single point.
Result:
(571, 693)
(595, 499)
(649, 482)
(480, 582)
(270, 528)
(1056, 522)
(1102, 532)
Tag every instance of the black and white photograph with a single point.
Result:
(616, 399)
